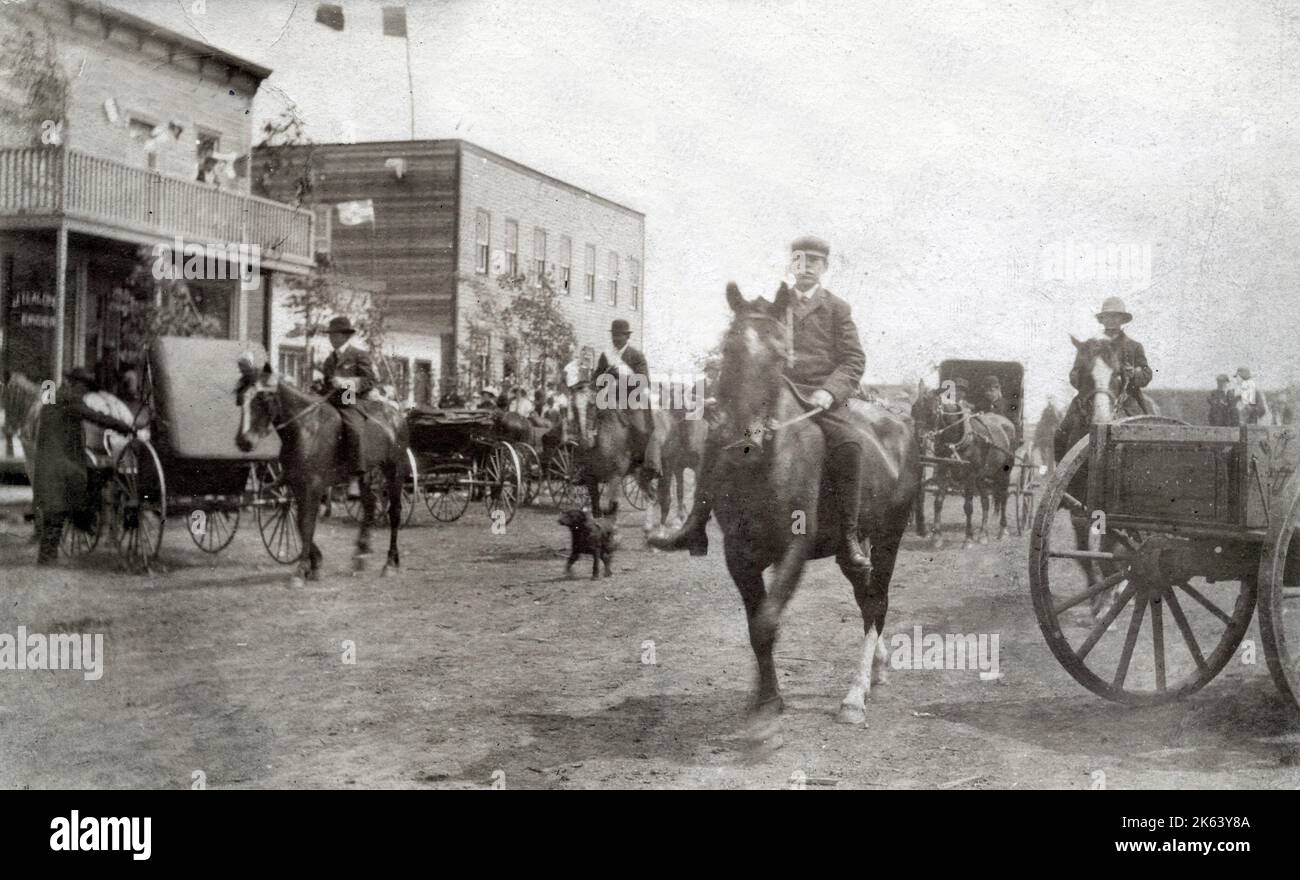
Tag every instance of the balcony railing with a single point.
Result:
(56, 181)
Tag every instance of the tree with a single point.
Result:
(530, 312)
(288, 170)
(37, 80)
(148, 307)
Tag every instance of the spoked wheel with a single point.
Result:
(636, 496)
(1128, 649)
(80, 539)
(139, 504)
(447, 488)
(532, 471)
(276, 511)
(561, 474)
(212, 527)
(1279, 600)
(503, 477)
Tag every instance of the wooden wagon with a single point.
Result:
(188, 465)
(1183, 531)
(459, 457)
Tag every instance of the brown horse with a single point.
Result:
(310, 432)
(683, 447)
(776, 511)
(980, 448)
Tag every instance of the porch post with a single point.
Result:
(60, 300)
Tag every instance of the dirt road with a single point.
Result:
(480, 664)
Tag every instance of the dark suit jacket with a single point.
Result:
(634, 359)
(60, 482)
(1130, 355)
(350, 362)
(827, 351)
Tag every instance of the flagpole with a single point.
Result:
(410, 81)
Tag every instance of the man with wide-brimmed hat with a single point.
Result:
(825, 369)
(349, 376)
(1131, 359)
(624, 367)
(62, 486)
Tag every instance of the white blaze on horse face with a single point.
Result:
(1102, 373)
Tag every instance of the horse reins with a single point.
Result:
(773, 427)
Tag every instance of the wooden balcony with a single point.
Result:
(41, 187)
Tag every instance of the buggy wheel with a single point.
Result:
(77, 541)
(503, 481)
(561, 474)
(213, 526)
(446, 489)
(1024, 493)
(1125, 651)
(139, 504)
(532, 471)
(636, 496)
(276, 511)
(1279, 601)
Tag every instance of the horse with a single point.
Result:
(1103, 395)
(311, 431)
(683, 447)
(980, 447)
(775, 510)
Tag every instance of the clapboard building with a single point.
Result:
(438, 221)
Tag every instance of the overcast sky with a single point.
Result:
(963, 158)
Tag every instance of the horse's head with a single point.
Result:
(940, 418)
(1100, 382)
(259, 403)
(754, 357)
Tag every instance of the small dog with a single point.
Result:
(589, 536)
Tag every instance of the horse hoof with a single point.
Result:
(313, 575)
(936, 542)
(296, 582)
(850, 714)
(360, 562)
(764, 731)
(879, 677)
(386, 571)
(984, 539)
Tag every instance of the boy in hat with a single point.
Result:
(1132, 359)
(62, 486)
(826, 365)
(623, 360)
(1223, 404)
(349, 376)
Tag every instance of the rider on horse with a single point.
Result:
(1131, 360)
(349, 376)
(824, 366)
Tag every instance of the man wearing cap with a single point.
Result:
(1223, 404)
(991, 400)
(349, 376)
(1131, 358)
(628, 369)
(62, 486)
(826, 366)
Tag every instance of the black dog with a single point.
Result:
(589, 536)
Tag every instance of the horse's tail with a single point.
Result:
(20, 394)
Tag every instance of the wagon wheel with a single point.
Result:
(561, 474)
(636, 496)
(139, 504)
(1127, 653)
(532, 467)
(1279, 603)
(1024, 493)
(77, 541)
(212, 527)
(503, 480)
(276, 511)
(447, 488)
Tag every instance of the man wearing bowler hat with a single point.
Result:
(349, 376)
(1131, 360)
(627, 362)
(826, 365)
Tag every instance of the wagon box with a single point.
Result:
(1192, 476)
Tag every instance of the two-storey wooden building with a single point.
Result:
(115, 134)
(437, 221)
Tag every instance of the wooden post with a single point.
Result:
(61, 300)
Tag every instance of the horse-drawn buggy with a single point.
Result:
(1170, 524)
(183, 461)
(461, 457)
(972, 433)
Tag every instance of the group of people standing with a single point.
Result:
(1237, 400)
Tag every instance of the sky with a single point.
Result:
(972, 163)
